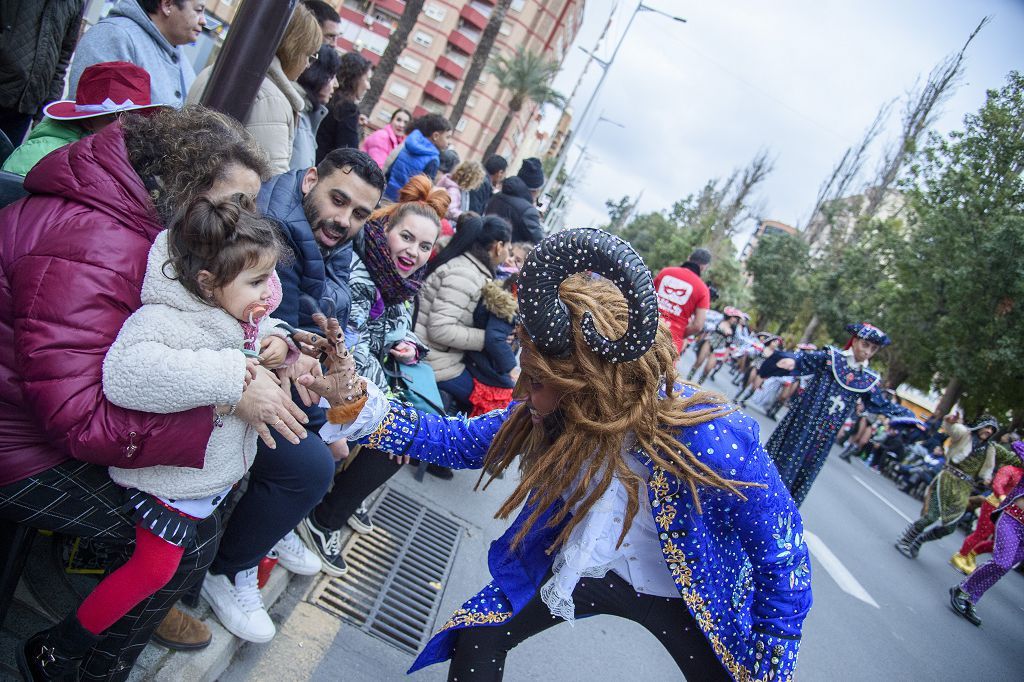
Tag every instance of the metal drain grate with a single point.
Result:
(396, 573)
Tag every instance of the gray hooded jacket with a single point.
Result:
(127, 34)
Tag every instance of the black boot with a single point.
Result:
(935, 533)
(441, 472)
(54, 654)
(910, 542)
(961, 603)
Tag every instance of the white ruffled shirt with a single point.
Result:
(590, 550)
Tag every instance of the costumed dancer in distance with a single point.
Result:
(838, 378)
(980, 541)
(641, 497)
(750, 379)
(971, 459)
(1007, 551)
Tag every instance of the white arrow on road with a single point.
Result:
(839, 573)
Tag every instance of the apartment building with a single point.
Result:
(430, 70)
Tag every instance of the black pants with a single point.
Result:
(79, 499)
(284, 484)
(370, 470)
(480, 651)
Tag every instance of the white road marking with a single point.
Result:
(838, 572)
(879, 496)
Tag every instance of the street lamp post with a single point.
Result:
(606, 66)
(560, 200)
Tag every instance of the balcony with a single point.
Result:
(420, 111)
(439, 93)
(450, 67)
(395, 7)
(349, 46)
(462, 41)
(473, 17)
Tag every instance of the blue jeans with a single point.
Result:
(460, 387)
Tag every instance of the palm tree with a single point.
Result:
(483, 51)
(388, 60)
(525, 76)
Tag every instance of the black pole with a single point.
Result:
(243, 61)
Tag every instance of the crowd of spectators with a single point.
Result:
(412, 249)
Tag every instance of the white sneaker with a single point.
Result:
(295, 556)
(239, 606)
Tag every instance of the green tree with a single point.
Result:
(525, 76)
(777, 267)
(961, 288)
(657, 239)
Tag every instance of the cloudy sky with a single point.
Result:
(803, 78)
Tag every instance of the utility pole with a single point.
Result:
(243, 61)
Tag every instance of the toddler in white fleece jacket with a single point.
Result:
(207, 295)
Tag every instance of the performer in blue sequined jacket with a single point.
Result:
(638, 497)
(839, 378)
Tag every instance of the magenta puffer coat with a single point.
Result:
(72, 259)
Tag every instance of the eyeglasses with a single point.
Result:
(312, 58)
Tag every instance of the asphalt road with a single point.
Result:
(876, 616)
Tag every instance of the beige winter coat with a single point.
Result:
(273, 117)
(445, 319)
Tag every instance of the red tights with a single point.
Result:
(151, 566)
(980, 541)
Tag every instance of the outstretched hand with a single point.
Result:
(340, 385)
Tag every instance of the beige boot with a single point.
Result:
(182, 632)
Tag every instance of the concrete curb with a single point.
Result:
(163, 665)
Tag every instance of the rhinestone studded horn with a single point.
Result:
(566, 253)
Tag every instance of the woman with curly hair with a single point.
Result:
(73, 260)
(459, 180)
(388, 267)
(638, 496)
(343, 124)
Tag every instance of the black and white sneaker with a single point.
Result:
(360, 520)
(326, 544)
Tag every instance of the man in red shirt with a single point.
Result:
(683, 298)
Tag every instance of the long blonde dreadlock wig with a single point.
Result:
(610, 390)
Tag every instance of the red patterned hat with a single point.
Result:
(107, 88)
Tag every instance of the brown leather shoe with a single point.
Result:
(182, 632)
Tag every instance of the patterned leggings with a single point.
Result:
(940, 506)
(480, 651)
(1008, 551)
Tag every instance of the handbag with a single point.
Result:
(414, 384)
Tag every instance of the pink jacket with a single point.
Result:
(381, 143)
(455, 192)
(72, 259)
